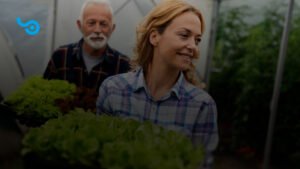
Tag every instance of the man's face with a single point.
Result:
(96, 25)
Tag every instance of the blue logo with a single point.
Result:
(31, 27)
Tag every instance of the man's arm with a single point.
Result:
(50, 72)
(51, 69)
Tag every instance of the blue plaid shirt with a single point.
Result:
(185, 108)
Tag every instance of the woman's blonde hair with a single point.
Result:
(158, 19)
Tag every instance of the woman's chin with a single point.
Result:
(185, 66)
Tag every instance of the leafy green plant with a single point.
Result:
(111, 142)
(35, 98)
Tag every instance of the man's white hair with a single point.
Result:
(106, 3)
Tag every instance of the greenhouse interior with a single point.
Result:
(249, 64)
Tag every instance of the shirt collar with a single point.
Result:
(140, 83)
(178, 85)
(107, 54)
(140, 80)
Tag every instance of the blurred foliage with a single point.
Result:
(84, 139)
(38, 100)
(35, 98)
(245, 63)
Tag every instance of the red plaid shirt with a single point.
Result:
(67, 64)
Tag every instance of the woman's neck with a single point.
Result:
(160, 80)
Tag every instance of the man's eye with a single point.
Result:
(197, 41)
(104, 24)
(91, 23)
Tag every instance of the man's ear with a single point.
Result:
(79, 24)
(154, 37)
(113, 27)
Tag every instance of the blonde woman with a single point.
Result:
(163, 88)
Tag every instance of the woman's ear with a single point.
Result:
(154, 37)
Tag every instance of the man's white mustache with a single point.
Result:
(97, 36)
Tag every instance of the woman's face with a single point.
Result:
(177, 46)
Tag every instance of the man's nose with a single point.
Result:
(98, 28)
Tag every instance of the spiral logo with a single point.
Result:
(31, 27)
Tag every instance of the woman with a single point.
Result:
(162, 87)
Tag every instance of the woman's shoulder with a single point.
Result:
(196, 93)
(121, 80)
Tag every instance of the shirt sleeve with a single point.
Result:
(51, 69)
(206, 132)
(103, 104)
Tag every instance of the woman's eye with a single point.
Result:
(184, 36)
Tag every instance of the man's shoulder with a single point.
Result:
(72, 46)
(117, 54)
(118, 60)
(64, 48)
(62, 51)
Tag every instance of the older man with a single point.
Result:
(88, 62)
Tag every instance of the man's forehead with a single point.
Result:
(96, 12)
(97, 7)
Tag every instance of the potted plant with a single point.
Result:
(105, 142)
(35, 101)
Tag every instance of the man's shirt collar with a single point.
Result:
(107, 54)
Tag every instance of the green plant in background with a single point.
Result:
(256, 76)
(108, 142)
(35, 98)
(243, 85)
(225, 86)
